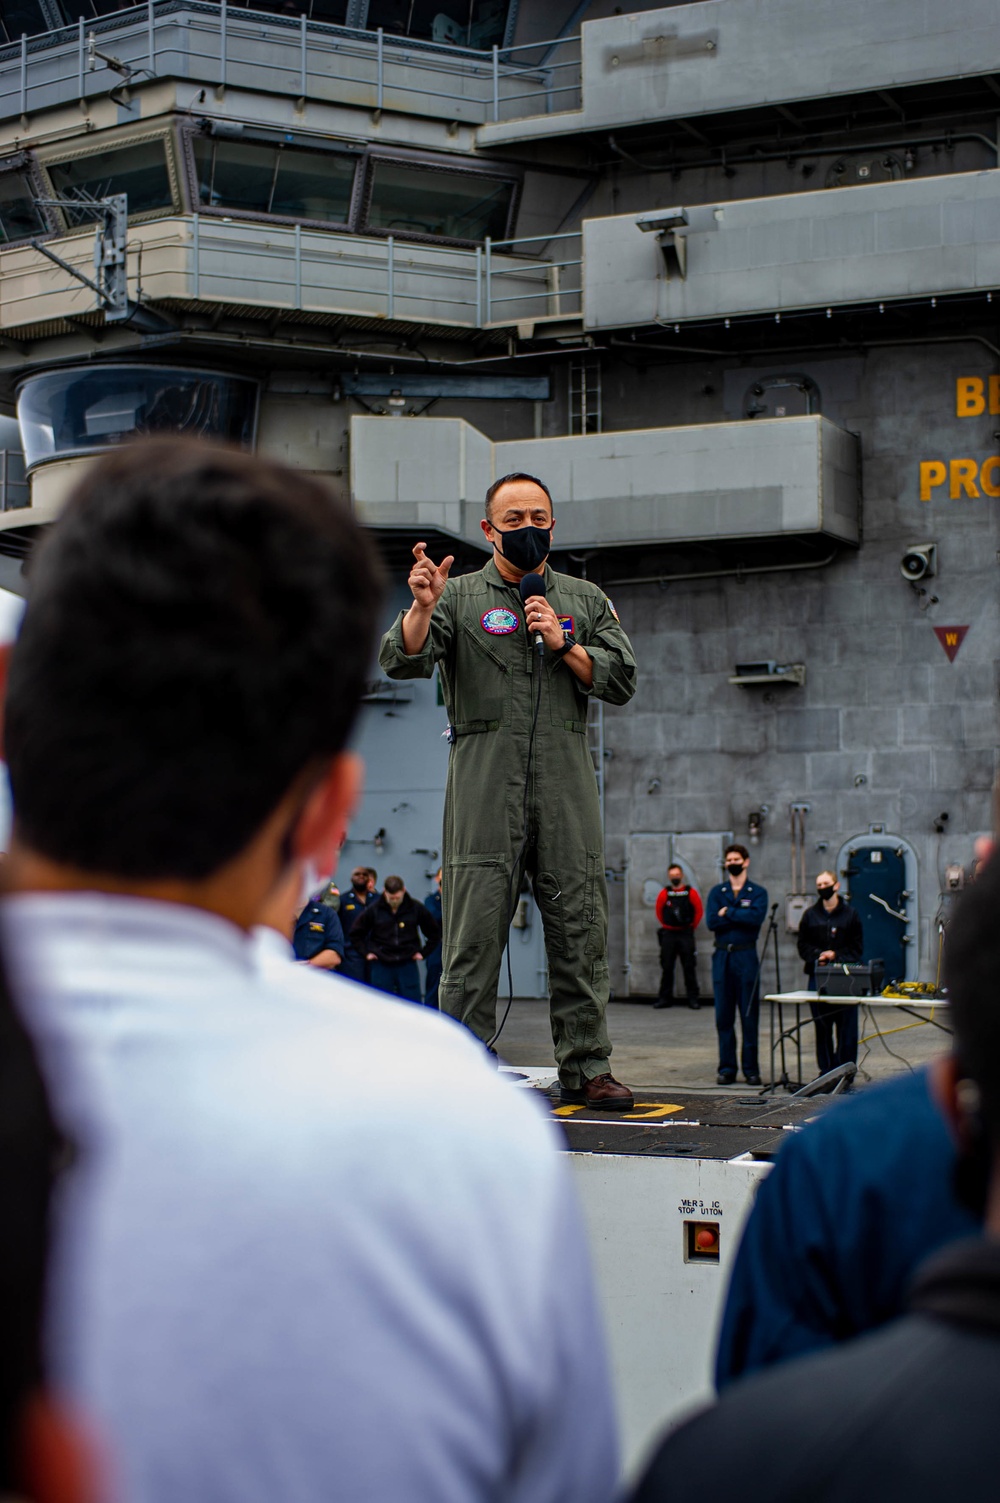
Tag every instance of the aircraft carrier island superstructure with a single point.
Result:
(725, 274)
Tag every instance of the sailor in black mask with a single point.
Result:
(734, 912)
(522, 798)
(829, 932)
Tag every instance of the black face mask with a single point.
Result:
(525, 547)
(824, 893)
(676, 881)
(734, 868)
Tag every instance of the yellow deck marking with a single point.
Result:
(643, 1112)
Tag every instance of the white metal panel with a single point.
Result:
(428, 473)
(661, 1313)
(923, 237)
(722, 55)
(719, 480)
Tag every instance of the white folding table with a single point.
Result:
(922, 1010)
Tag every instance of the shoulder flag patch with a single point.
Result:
(611, 608)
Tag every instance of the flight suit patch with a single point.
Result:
(499, 621)
(566, 622)
(611, 608)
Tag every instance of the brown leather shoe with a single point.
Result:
(604, 1093)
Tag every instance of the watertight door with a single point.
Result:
(876, 879)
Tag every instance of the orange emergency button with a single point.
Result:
(701, 1241)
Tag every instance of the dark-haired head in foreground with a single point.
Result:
(179, 683)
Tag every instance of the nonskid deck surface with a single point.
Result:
(690, 1124)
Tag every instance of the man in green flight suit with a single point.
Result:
(521, 794)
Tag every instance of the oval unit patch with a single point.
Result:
(499, 622)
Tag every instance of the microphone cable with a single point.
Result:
(512, 896)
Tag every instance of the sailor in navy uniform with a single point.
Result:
(735, 911)
(318, 936)
(352, 905)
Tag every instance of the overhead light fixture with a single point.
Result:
(664, 224)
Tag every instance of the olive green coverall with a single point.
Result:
(489, 674)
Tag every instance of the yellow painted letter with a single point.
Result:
(988, 478)
(963, 478)
(932, 473)
(994, 396)
(969, 398)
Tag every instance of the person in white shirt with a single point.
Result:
(315, 1248)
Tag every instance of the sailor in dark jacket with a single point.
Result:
(388, 934)
(735, 911)
(831, 931)
(352, 904)
(854, 1204)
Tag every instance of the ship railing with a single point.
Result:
(539, 285)
(497, 284)
(219, 45)
(260, 269)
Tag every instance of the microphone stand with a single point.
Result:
(784, 1080)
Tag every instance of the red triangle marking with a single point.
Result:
(951, 639)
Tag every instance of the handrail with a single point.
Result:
(300, 268)
(145, 10)
(526, 239)
(504, 83)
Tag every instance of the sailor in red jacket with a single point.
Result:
(679, 910)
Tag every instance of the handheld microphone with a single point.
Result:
(533, 584)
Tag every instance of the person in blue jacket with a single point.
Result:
(432, 959)
(735, 911)
(854, 1203)
(318, 938)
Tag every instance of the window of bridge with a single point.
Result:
(419, 199)
(254, 177)
(20, 217)
(140, 168)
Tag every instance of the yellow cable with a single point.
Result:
(885, 1032)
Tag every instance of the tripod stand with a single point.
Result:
(795, 1032)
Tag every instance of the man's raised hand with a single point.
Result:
(428, 579)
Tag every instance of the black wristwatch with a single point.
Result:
(568, 641)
